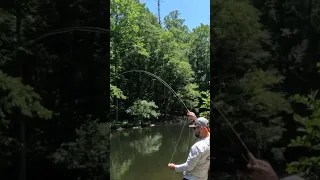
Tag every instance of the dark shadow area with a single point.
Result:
(264, 78)
(54, 89)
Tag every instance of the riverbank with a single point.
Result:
(126, 124)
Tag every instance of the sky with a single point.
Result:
(194, 12)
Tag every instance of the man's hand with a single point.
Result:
(261, 170)
(191, 116)
(171, 166)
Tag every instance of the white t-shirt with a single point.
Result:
(198, 162)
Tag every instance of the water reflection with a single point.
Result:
(118, 169)
(145, 153)
(148, 144)
(186, 144)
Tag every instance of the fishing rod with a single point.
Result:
(60, 31)
(187, 110)
(232, 128)
(176, 94)
(162, 81)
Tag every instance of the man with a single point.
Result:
(198, 162)
(197, 165)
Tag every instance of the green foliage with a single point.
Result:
(89, 152)
(190, 94)
(116, 93)
(261, 102)
(199, 55)
(264, 52)
(238, 34)
(258, 87)
(307, 166)
(18, 102)
(143, 110)
(246, 86)
(253, 95)
(245, 92)
(172, 52)
(42, 70)
(17, 97)
(206, 101)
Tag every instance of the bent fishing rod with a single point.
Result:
(232, 128)
(162, 81)
(175, 93)
(60, 31)
(187, 110)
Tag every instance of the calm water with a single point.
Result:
(145, 153)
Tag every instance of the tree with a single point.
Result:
(205, 105)
(17, 100)
(307, 166)
(88, 154)
(143, 110)
(199, 55)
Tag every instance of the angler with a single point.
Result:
(198, 162)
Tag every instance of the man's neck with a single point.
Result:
(205, 136)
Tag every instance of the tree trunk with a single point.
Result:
(159, 17)
(23, 155)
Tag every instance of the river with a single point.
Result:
(145, 153)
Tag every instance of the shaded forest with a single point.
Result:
(53, 89)
(265, 74)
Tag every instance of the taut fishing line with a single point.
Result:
(220, 112)
(176, 94)
(187, 110)
(230, 125)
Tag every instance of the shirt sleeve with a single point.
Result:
(193, 158)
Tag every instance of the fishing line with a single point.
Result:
(176, 94)
(188, 140)
(177, 141)
(173, 91)
(174, 172)
(230, 125)
(220, 112)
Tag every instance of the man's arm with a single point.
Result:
(193, 159)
